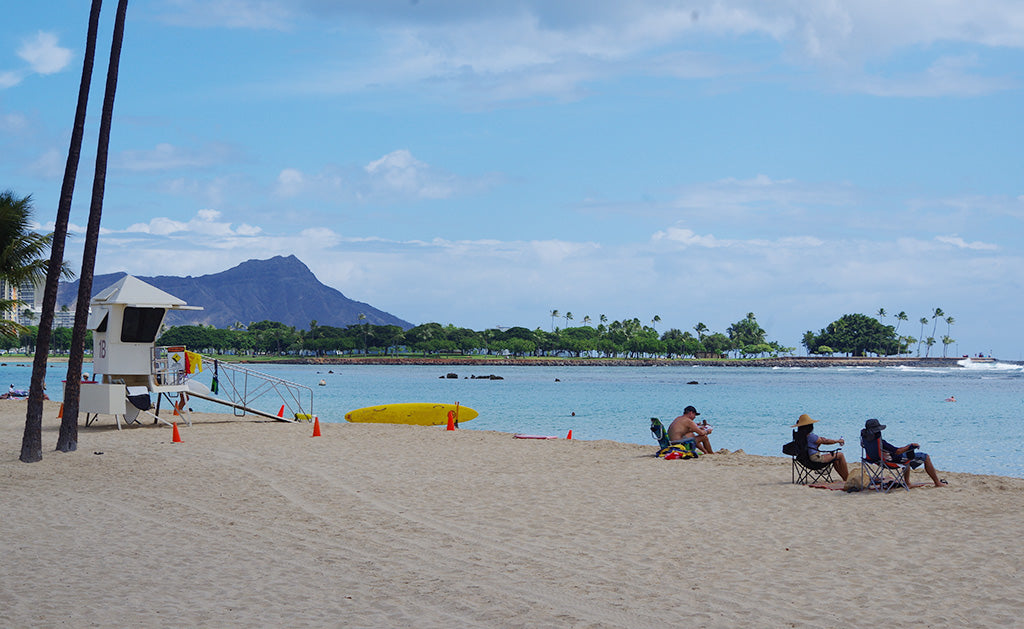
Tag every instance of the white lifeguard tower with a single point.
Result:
(125, 320)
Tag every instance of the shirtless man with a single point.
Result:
(684, 427)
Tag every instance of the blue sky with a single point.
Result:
(484, 163)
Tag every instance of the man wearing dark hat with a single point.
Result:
(684, 427)
(907, 455)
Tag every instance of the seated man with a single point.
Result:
(684, 427)
(907, 455)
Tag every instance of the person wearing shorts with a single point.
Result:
(908, 454)
(805, 430)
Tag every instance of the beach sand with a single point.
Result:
(253, 523)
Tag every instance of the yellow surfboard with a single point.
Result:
(416, 413)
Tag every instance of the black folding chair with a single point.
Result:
(875, 472)
(804, 470)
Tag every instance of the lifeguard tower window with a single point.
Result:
(140, 325)
(102, 327)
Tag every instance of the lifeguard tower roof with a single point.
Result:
(133, 291)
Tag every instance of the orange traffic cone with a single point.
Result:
(60, 413)
(569, 436)
(280, 413)
(316, 426)
(451, 420)
(175, 437)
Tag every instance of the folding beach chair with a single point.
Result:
(875, 472)
(804, 470)
(686, 447)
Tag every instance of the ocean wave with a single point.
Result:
(967, 363)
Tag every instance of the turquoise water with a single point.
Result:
(751, 408)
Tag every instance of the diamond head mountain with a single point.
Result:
(279, 289)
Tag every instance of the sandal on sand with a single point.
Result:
(943, 481)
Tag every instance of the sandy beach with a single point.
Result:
(256, 523)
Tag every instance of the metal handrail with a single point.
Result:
(243, 387)
(240, 385)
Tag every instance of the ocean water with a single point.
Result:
(751, 408)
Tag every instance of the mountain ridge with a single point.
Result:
(277, 289)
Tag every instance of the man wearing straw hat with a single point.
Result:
(805, 430)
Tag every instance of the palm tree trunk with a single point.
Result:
(92, 232)
(32, 441)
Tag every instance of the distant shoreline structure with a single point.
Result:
(791, 361)
(469, 361)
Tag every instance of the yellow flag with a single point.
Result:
(193, 362)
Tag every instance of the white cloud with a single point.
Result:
(396, 176)
(290, 182)
(203, 226)
(494, 52)
(9, 79)
(687, 238)
(43, 53)
(49, 165)
(242, 14)
(960, 243)
(400, 173)
(165, 156)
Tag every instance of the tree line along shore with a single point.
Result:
(791, 361)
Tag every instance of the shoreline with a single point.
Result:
(793, 361)
(788, 361)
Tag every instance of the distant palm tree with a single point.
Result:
(568, 318)
(586, 319)
(655, 321)
(68, 439)
(924, 322)
(901, 317)
(936, 315)
(700, 329)
(946, 342)
(554, 315)
(881, 313)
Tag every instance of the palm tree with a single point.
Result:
(23, 257)
(68, 439)
(946, 342)
(700, 329)
(936, 315)
(554, 315)
(603, 319)
(586, 319)
(901, 317)
(22, 252)
(31, 449)
(924, 322)
(881, 313)
(655, 321)
(568, 318)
